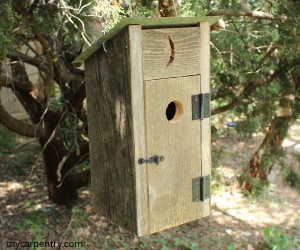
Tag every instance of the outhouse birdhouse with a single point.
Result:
(148, 100)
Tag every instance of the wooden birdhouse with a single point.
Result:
(148, 100)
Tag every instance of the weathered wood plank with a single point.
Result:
(205, 123)
(109, 102)
(170, 22)
(157, 50)
(170, 182)
(138, 112)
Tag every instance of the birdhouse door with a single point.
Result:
(172, 133)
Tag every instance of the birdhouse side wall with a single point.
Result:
(110, 122)
(205, 123)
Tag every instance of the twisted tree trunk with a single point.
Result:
(270, 150)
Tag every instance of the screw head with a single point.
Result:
(196, 198)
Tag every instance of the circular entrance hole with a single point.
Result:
(174, 111)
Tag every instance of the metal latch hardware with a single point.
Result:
(200, 106)
(154, 159)
(201, 188)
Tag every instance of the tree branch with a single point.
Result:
(43, 41)
(34, 61)
(19, 127)
(22, 88)
(253, 85)
(78, 97)
(16, 125)
(79, 180)
(12, 82)
(240, 89)
(75, 159)
(72, 105)
(252, 13)
(33, 6)
(35, 29)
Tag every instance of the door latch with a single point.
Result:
(154, 159)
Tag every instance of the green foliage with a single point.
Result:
(258, 186)
(139, 8)
(18, 158)
(231, 247)
(143, 243)
(107, 244)
(237, 54)
(217, 154)
(7, 23)
(35, 224)
(243, 58)
(290, 176)
(276, 239)
(56, 101)
(78, 216)
(178, 242)
(247, 126)
(7, 140)
(23, 160)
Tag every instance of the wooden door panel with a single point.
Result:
(179, 140)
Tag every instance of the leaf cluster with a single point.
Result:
(251, 50)
(8, 21)
(276, 239)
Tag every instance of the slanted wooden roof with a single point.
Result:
(167, 22)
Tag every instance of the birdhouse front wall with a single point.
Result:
(139, 105)
(170, 52)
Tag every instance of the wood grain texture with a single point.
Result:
(170, 182)
(157, 50)
(146, 23)
(205, 123)
(110, 118)
(139, 133)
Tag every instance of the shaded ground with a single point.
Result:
(237, 222)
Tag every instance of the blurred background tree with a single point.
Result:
(255, 72)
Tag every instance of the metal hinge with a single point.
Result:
(201, 188)
(200, 106)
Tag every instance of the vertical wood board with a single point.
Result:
(157, 51)
(138, 112)
(109, 103)
(170, 182)
(205, 123)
